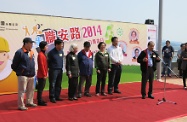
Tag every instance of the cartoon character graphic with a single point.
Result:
(8, 78)
(133, 36)
(35, 29)
(26, 31)
(109, 34)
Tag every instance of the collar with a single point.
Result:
(89, 53)
(148, 51)
(115, 46)
(26, 51)
(101, 52)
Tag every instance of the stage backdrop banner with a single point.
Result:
(133, 38)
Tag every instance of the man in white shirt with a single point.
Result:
(116, 57)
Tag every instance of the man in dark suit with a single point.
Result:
(148, 60)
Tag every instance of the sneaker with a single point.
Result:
(97, 94)
(185, 88)
(169, 75)
(31, 105)
(23, 108)
(75, 98)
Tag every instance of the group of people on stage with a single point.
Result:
(77, 66)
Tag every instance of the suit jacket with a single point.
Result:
(72, 66)
(144, 65)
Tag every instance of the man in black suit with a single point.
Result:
(148, 60)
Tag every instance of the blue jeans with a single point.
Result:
(167, 61)
(55, 81)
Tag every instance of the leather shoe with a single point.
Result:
(53, 100)
(150, 96)
(110, 93)
(71, 99)
(87, 94)
(143, 97)
(58, 99)
(42, 103)
(79, 95)
(117, 91)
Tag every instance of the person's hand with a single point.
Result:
(120, 62)
(157, 58)
(109, 70)
(70, 76)
(98, 71)
(145, 60)
(45, 77)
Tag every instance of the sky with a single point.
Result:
(135, 11)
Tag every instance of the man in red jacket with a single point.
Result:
(42, 72)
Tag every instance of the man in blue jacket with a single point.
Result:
(24, 66)
(85, 58)
(55, 64)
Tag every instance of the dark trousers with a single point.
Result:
(114, 77)
(101, 80)
(184, 77)
(87, 85)
(179, 61)
(148, 75)
(72, 88)
(40, 88)
(55, 81)
(167, 61)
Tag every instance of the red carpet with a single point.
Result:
(126, 107)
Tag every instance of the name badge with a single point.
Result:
(60, 55)
(106, 55)
(73, 58)
(154, 56)
(90, 56)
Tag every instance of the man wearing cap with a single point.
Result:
(42, 72)
(85, 58)
(24, 66)
(55, 64)
(8, 78)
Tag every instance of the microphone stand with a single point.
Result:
(164, 98)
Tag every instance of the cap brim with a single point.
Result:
(31, 41)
